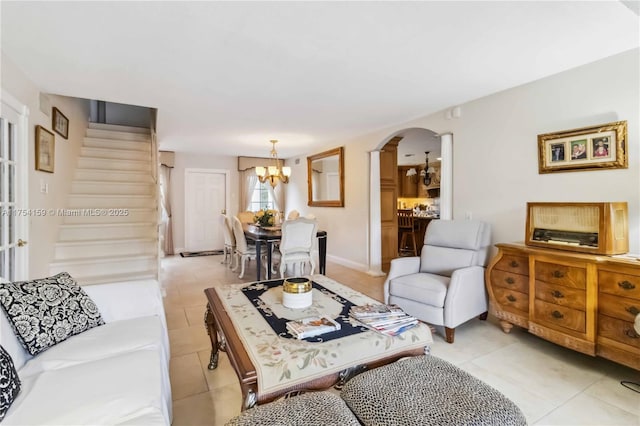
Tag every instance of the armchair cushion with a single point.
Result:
(429, 289)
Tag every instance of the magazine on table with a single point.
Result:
(387, 319)
(367, 311)
(312, 326)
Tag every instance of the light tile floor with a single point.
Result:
(552, 385)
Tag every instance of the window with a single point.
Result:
(261, 198)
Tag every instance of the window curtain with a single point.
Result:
(247, 185)
(165, 201)
(277, 194)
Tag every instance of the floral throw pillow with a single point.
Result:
(47, 311)
(9, 382)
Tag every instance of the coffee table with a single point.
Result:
(240, 320)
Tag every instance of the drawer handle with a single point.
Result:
(509, 280)
(557, 294)
(632, 310)
(557, 315)
(558, 274)
(514, 264)
(630, 333)
(510, 298)
(626, 285)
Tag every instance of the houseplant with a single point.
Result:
(265, 217)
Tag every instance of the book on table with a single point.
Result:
(312, 326)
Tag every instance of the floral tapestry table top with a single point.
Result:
(283, 362)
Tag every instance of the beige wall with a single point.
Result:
(43, 231)
(495, 156)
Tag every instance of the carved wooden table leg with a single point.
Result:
(210, 324)
(506, 326)
(250, 398)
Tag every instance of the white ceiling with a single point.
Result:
(227, 77)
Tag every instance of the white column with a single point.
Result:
(375, 216)
(446, 176)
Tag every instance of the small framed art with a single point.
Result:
(588, 148)
(45, 149)
(60, 123)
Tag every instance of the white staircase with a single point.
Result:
(109, 232)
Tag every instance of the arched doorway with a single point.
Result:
(405, 147)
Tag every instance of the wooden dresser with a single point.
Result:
(584, 302)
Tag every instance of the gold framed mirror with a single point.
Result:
(325, 178)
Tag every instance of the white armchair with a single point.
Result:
(445, 284)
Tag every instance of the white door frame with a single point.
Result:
(22, 178)
(227, 196)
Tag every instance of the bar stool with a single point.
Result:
(405, 227)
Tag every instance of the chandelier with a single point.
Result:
(274, 173)
(428, 172)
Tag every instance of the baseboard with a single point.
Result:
(348, 263)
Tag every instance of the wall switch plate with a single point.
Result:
(468, 215)
(44, 187)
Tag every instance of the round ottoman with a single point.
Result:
(426, 390)
(309, 409)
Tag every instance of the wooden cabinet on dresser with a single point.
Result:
(583, 302)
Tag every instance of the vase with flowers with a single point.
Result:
(265, 217)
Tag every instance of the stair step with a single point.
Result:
(127, 215)
(77, 201)
(119, 128)
(105, 265)
(110, 164)
(108, 247)
(141, 146)
(114, 134)
(102, 231)
(115, 154)
(113, 175)
(113, 188)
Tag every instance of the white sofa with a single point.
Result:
(117, 373)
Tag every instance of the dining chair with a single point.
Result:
(407, 232)
(296, 245)
(243, 251)
(229, 240)
(246, 217)
(293, 214)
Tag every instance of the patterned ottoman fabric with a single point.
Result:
(427, 390)
(309, 409)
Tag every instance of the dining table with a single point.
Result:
(268, 235)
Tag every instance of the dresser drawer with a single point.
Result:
(561, 295)
(618, 330)
(619, 284)
(561, 316)
(618, 307)
(514, 264)
(512, 299)
(510, 280)
(569, 276)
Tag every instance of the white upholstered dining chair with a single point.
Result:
(297, 244)
(243, 251)
(229, 240)
(445, 285)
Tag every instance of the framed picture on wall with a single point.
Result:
(60, 123)
(45, 149)
(588, 148)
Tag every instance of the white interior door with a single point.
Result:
(13, 190)
(206, 196)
